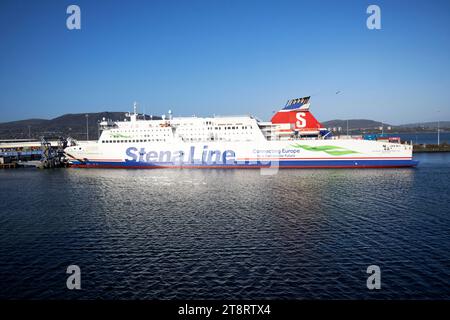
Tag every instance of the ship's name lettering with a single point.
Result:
(192, 156)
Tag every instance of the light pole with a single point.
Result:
(438, 133)
(87, 127)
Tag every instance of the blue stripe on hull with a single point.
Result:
(281, 164)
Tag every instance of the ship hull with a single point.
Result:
(283, 164)
(266, 154)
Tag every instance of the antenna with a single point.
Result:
(135, 107)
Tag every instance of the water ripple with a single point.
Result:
(233, 234)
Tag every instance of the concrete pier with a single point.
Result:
(420, 148)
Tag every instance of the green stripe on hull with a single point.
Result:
(331, 150)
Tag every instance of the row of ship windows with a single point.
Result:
(162, 140)
(166, 135)
(147, 135)
(129, 141)
(229, 128)
(211, 133)
(208, 128)
(142, 130)
(213, 139)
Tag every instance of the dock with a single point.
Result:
(422, 148)
(42, 153)
(11, 165)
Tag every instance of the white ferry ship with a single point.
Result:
(292, 139)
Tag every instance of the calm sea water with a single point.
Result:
(163, 234)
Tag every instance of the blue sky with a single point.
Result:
(226, 57)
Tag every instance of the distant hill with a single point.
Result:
(360, 126)
(354, 124)
(431, 125)
(73, 125)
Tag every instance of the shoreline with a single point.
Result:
(431, 148)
